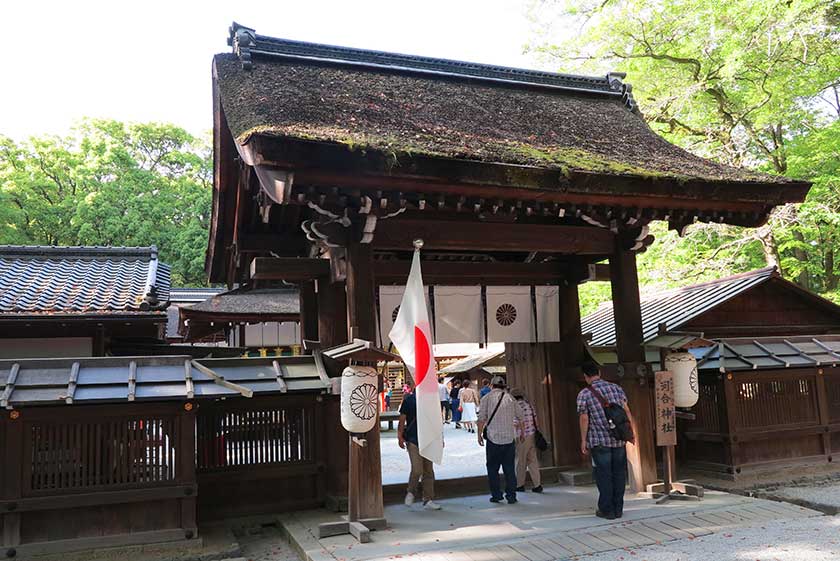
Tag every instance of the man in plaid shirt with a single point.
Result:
(609, 458)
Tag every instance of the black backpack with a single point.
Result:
(617, 421)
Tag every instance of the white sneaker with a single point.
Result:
(431, 505)
(409, 499)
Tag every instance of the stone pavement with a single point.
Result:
(556, 525)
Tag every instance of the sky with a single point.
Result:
(150, 60)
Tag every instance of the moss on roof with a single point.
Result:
(404, 114)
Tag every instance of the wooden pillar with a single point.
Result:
(627, 313)
(332, 331)
(332, 313)
(563, 361)
(365, 485)
(308, 312)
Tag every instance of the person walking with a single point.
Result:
(469, 405)
(527, 457)
(609, 457)
(485, 388)
(422, 469)
(443, 392)
(498, 415)
(455, 403)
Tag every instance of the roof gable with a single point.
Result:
(36, 280)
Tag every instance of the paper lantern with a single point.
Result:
(686, 386)
(359, 398)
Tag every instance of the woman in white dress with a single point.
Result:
(469, 403)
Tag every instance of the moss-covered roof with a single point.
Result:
(403, 113)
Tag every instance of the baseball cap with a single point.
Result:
(498, 381)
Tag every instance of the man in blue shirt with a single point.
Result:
(422, 469)
(609, 458)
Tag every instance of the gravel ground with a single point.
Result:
(462, 456)
(264, 543)
(802, 539)
(825, 494)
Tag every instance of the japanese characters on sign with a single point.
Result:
(666, 420)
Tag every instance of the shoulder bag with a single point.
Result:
(490, 420)
(617, 421)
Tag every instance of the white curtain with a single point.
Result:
(272, 334)
(458, 317)
(389, 303)
(510, 316)
(548, 313)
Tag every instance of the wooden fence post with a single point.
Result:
(185, 467)
(13, 462)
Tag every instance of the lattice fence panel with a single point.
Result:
(107, 453)
(230, 438)
(776, 401)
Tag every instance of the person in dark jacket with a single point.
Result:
(455, 402)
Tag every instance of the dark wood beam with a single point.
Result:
(376, 170)
(490, 273)
(308, 311)
(396, 234)
(290, 269)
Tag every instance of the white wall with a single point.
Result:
(46, 348)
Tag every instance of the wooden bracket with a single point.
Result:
(360, 441)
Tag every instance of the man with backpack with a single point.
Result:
(606, 425)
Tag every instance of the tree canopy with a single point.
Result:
(749, 83)
(111, 183)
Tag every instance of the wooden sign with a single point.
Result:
(666, 419)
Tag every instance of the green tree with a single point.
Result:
(111, 183)
(748, 83)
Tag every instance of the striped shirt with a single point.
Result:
(501, 430)
(528, 425)
(599, 432)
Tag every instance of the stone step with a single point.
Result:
(576, 477)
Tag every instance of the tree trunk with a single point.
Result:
(802, 256)
(828, 263)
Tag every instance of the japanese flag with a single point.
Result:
(412, 336)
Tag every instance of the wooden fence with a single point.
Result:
(96, 476)
(258, 455)
(752, 420)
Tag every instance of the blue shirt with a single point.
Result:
(409, 409)
(484, 391)
(599, 431)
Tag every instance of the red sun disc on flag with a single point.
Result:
(422, 355)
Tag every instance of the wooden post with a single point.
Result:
(308, 312)
(628, 331)
(564, 360)
(332, 313)
(825, 417)
(12, 479)
(365, 486)
(185, 468)
(332, 331)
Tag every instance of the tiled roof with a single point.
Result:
(36, 280)
(191, 295)
(675, 307)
